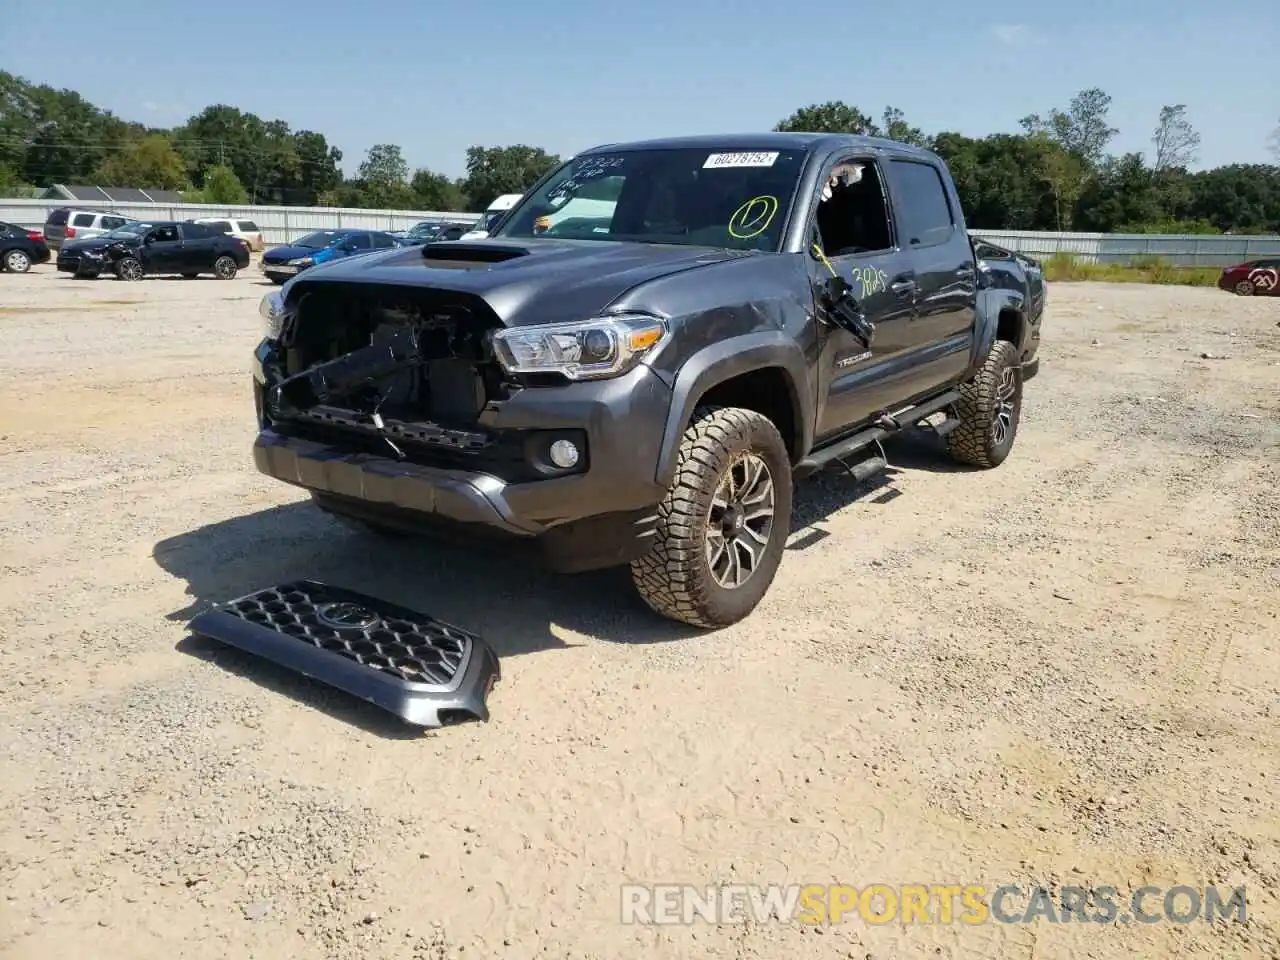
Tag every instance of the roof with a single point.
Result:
(771, 140)
(62, 191)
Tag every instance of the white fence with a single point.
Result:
(283, 224)
(278, 224)
(1183, 250)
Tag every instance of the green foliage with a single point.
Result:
(1064, 267)
(222, 186)
(493, 171)
(1055, 174)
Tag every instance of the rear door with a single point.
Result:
(198, 241)
(931, 230)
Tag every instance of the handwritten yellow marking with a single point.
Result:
(753, 218)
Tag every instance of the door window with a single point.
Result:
(166, 234)
(110, 223)
(359, 241)
(381, 241)
(924, 209)
(248, 226)
(853, 211)
(82, 220)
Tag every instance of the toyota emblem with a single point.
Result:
(346, 616)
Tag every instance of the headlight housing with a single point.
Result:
(586, 350)
(301, 262)
(271, 309)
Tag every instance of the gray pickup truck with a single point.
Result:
(648, 352)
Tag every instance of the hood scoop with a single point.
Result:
(460, 255)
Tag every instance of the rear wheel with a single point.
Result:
(989, 409)
(1244, 288)
(129, 268)
(724, 522)
(17, 261)
(224, 268)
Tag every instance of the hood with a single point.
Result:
(285, 254)
(98, 243)
(524, 282)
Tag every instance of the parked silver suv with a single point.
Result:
(68, 223)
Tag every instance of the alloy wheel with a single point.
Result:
(740, 521)
(1002, 424)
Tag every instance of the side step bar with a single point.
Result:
(427, 672)
(887, 424)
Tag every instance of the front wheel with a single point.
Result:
(989, 409)
(129, 268)
(17, 261)
(224, 268)
(723, 523)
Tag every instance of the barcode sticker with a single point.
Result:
(719, 161)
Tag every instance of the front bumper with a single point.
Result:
(280, 269)
(598, 515)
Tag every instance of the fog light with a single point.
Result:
(564, 454)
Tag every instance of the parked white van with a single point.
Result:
(487, 219)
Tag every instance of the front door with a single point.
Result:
(853, 228)
(162, 250)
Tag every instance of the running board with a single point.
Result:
(427, 672)
(889, 423)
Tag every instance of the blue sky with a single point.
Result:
(437, 77)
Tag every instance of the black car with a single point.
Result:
(323, 246)
(652, 347)
(430, 231)
(153, 247)
(1023, 276)
(20, 248)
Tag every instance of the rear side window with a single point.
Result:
(248, 226)
(924, 211)
(82, 220)
(112, 222)
(220, 226)
(57, 218)
(381, 241)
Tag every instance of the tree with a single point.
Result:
(493, 171)
(834, 116)
(1064, 172)
(435, 191)
(221, 185)
(149, 162)
(895, 127)
(1081, 129)
(383, 178)
(1176, 141)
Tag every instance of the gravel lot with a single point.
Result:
(1066, 671)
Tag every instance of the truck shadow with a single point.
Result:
(502, 594)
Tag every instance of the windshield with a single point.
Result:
(425, 229)
(320, 239)
(128, 230)
(697, 197)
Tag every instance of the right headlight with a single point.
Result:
(271, 309)
(585, 350)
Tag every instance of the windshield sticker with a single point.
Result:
(721, 161)
(753, 217)
(591, 168)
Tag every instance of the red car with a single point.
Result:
(1255, 278)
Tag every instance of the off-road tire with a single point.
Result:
(674, 578)
(972, 442)
(16, 261)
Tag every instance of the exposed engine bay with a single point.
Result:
(410, 366)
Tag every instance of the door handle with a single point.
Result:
(965, 273)
(902, 288)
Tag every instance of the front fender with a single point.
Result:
(723, 361)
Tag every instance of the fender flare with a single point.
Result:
(723, 361)
(990, 305)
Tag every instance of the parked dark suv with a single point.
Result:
(657, 341)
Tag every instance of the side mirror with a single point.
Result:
(844, 310)
(148, 240)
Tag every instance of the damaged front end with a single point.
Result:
(406, 373)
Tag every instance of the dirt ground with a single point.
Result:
(1065, 671)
